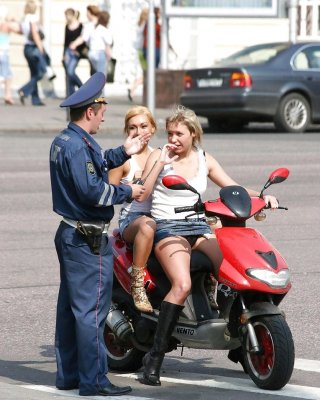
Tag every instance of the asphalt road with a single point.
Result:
(29, 276)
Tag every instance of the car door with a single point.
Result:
(306, 70)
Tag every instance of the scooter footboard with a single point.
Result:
(207, 335)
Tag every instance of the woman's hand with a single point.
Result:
(271, 201)
(133, 144)
(167, 155)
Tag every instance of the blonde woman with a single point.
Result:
(135, 222)
(175, 236)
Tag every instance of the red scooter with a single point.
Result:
(253, 280)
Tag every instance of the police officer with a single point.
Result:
(83, 197)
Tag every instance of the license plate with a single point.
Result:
(212, 82)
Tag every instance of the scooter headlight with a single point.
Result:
(271, 278)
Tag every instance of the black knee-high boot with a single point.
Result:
(152, 361)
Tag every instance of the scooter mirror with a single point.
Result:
(279, 175)
(176, 182)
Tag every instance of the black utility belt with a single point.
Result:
(92, 232)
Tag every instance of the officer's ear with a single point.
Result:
(90, 113)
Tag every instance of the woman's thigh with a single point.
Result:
(174, 255)
(143, 224)
(211, 249)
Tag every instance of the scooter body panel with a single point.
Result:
(245, 248)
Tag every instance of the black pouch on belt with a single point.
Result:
(92, 232)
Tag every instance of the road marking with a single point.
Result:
(75, 393)
(237, 384)
(307, 365)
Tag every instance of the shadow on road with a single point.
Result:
(31, 372)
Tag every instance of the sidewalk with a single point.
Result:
(52, 119)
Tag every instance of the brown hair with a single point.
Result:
(187, 117)
(77, 113)
(138, 110)
(103, 18)
(72, 11)
(94, 10)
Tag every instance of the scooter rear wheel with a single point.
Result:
(272, 368)
(121, 357)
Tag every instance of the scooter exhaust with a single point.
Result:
(118, 323)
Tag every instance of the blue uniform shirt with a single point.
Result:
(79, 176)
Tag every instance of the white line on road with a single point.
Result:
(222, 382)
(307, 365)
(75, 393)
(244, 385)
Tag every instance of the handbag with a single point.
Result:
(40, 31)
(111, 70)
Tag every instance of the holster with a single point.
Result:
(92, 232)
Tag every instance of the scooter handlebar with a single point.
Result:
(184, 209)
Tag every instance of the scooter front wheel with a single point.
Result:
(272, 367)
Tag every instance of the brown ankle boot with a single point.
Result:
(138, 291)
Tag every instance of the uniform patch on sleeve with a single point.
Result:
(90, 168)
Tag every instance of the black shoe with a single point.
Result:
(39, 104)
(22, 97)
(111, 390)
(71, 387)
(151, 373)
(130, 96)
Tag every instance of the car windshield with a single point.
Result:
(253, 55)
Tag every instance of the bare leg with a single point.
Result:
(174, 254)
(141, 233)
(7, 91)
(211, 248)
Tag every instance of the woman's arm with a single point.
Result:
(154, 165)
(116, 174)
(36, 37)
(217, 174)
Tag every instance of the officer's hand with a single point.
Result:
(137, 191)
(133, 145)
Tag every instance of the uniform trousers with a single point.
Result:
(83, 303)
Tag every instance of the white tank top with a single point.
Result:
(135, 206)
(164, 200)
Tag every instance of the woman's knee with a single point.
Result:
(147, 227)
(181, 289)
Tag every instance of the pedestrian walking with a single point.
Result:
(71, 58)
(34, 53)
(84, 199)
(7, 26)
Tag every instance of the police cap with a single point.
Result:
(89, 93)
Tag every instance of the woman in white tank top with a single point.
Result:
(175, 237)
(135, 222)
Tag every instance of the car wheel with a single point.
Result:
(293, 114)
(229, 126)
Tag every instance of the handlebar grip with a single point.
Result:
(183, 209)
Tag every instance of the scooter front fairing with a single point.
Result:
(245, 249)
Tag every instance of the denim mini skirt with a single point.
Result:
(180, 227)
(126, 217)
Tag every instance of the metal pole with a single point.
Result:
(164, 36)
(293, 13)
(151, 58)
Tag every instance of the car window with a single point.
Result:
(301, 61)
(253, 55)
(308, 58)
